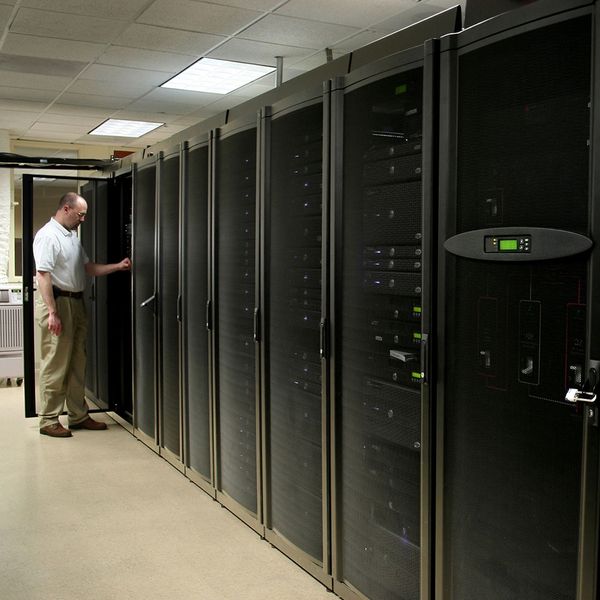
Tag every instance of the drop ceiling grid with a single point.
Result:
(116, 54)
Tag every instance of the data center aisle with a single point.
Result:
(100, 516)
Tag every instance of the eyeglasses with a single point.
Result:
(79, 214)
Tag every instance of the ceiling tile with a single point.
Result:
(168, 40)
(123, 75)
(34, 81)
(19, 117)
(59, 127)
(22, 105)
(122, 89)
(29, 45)
(112, 9)
(5, 12)
(63, 108)
(192, 15)
(136, 58)
(89, 100)
(260, 53)
(355, 13)
(17, 93)
(43, 66)
(45, 23)
(85, 122)
(297, 32)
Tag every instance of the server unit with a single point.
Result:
(235, 315)
(383, 152)
(195, 290)
(145, 302)
(517, 435)
(293, 250)
(169, 306)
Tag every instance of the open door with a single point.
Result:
(108, 377)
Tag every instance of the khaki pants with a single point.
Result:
(62, 369)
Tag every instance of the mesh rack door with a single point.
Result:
(235, 215)
(378, 372)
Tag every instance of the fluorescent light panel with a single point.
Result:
(123, 128)
(217, 76)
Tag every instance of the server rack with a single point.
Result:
(294, 194)
(236, 320)
(517, 459)
(169, 306)
(144, 319)
(383, 138)
(118, 363)
(195, 291)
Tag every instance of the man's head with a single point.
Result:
(71, 210)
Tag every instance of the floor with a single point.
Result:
(99, 516)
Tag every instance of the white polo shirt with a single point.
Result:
(58, 251)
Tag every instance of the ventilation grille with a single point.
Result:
(11, 328)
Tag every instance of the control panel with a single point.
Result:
(494, 243)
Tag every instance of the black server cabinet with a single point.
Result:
(382, 118)
(196, 322)
(517, 460)
(236, 320)
(294, 400)
(144, 301)
(169, 308)
(118, 306)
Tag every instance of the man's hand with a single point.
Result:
(54, 323)
(125, 265)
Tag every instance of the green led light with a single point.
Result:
(417, 336)
(508, 245)
(401, 89)
(416, 375)
(416, 309)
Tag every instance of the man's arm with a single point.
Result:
(98, 269)
(45, 289)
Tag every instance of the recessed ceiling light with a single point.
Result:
(217, 76)
(124, 128)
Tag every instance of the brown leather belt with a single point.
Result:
(58, 292)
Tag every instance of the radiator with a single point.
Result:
(11, 341)
(11, 328)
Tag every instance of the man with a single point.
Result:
(62, 265)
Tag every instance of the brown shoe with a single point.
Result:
(88, 423)
(55, 430)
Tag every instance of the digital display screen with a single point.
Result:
(508, 245)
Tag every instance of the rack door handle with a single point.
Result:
(149, 303)
(323, 338)
(207, 316)
(257, 324)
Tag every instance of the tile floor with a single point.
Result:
(99, 516)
